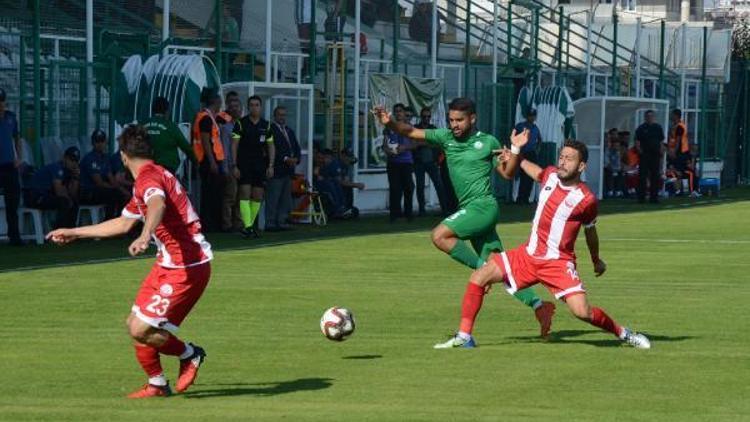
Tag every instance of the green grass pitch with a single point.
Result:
(678, 272)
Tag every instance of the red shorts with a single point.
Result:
(167, 295)
(521, 270)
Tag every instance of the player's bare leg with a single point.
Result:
(150, 342)
(477, 287)
(579, 306)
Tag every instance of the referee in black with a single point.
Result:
(253, 155)
(649, 140)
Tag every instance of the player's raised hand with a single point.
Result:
(600, 267)
(139, 246)
(381, 114)
(519, 139)
(61, 236)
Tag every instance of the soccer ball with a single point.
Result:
(337, 323)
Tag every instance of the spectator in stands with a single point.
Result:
(613, 175)
(335, 20)
(55, 187)
(530, 152)
(649, 139)
(11, 157)
(420, 24)
(400, 168)
(230, 212)
(409, 114)
(347, 160)
(630, 162)
(425, 161)
(230, 32)
(279, 190)
(253, 153)
(210, 155)
(328, 181)
(97, 183)
(166, 138)
(303, 19)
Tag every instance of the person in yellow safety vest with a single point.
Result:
(210, 153)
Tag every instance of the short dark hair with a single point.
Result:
(677, 112)
(463, 104)
(278, 108)
(160, 105)
(614, 129)
(410, 109)
(399, 105)
(135, 142)
(255, 97)
(579, 146)
(425, 109)
(649, 111)
(231, 94)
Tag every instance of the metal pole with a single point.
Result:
(638, 57)
(37, 84)
(219, 13)
(614, 55)
(165, 20)
(494, 43)
(396, 34)
(702, 142)
(312, 66)
(89, 62)
(434, 38)
(467, 46)
(269, 18)
(683, 54)
(509, 31)
(589, 21)
(560, 24)
(357, 77)
(661, 59)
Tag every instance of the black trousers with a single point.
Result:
(431, 169)
(66, 209)
(525, 183)
(212, 196)
(11, 185)
(400, 187)
(649, 171)
(451, 201)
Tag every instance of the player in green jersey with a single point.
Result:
(471, 156)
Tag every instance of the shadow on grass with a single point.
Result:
(565, 336)
(362, 357)
(260, 389)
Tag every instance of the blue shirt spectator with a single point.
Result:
(94, 163)
(535, 136)
(8, 135)
(42, 182)
(405, 156)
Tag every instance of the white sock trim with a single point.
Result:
(159, 380)
(188, 351)
(465, 336)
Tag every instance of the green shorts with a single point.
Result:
(476, 222)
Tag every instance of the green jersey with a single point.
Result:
(166, 137)
(470, 162)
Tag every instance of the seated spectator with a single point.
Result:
(123, 179)
(347, 160)
(98, 184)
(55, 187)
(630, 162)
(613, 175)
(328, 181)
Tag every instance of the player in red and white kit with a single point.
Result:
(565, 204)
(178, 277)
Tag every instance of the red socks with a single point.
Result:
(173, 347)
(148, 357)
(472, 302)
(600, 319)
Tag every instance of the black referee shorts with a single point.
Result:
(253, 175)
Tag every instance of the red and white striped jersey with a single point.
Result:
(559, 215)
(178, 237)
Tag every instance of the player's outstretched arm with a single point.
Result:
(592, 241)
(156, 207)
(532, 170)
(509, 160)
(110, 228)
(403, 129)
